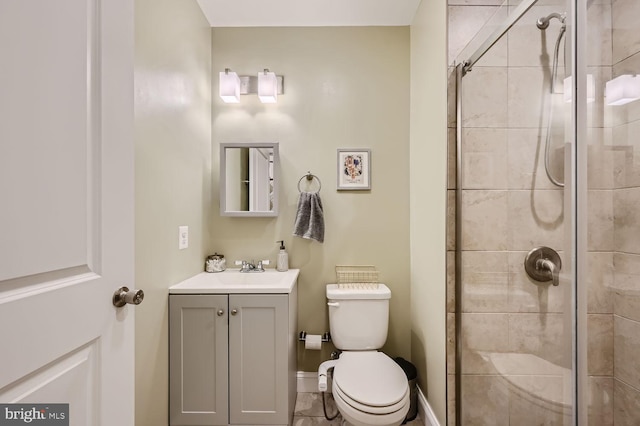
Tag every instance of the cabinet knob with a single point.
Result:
(234, 311)
(220, 312)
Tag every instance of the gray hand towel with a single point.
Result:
(309, 217)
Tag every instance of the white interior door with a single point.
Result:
(259, 173)
(66, 206)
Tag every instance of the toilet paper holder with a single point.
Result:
(326, 337)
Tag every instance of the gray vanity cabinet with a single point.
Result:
(232, 359)
(198, 360)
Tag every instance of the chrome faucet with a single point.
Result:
(246, 266)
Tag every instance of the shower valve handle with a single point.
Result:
(543, 264)
(547, 265)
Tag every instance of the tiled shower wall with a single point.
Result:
(625, 131)
(509, 207)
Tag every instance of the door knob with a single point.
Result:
(234, 311)
(220, 312)
(123, 295)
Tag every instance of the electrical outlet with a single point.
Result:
(183, 237)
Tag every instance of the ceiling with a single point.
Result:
(308, 13)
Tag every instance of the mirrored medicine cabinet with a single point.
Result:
(249, 179)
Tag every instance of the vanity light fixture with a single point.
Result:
(623, 89)
(591, 89)
(229, 87)
(267, 87)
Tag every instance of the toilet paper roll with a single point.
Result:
(313, 342)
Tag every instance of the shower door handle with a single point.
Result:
(543, 264)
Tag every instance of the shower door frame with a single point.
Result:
(575, 189)
(578, 33)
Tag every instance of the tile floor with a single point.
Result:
(308, 411)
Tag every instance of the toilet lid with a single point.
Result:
(370, 378)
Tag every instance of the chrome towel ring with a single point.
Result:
(309, 177)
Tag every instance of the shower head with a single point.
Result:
(543, 23)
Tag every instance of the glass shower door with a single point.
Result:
(515, 331)
(547, 125)
(611, 124)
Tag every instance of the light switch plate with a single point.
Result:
(183, 237)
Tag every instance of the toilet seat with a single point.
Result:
(370, 389)
(370, 379)
(356, 417)
(376, 410)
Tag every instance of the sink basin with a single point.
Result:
(233, 281)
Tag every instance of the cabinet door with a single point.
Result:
(198, 360)
(258, 359)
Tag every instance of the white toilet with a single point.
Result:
(370, 389)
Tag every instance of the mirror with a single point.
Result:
(248, 179)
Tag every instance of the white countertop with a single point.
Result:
(233, 281)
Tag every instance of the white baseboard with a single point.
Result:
(424, 409)
(308, 382)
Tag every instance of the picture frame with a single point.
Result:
(354, 169)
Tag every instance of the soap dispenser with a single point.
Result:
(282, 263)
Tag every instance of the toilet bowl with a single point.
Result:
(370, 389)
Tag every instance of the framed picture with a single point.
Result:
(354, 169)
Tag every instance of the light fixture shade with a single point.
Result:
(230, 87)
(591, 89)
(622, 90)
(267, 87)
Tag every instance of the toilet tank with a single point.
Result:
(358, 316)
